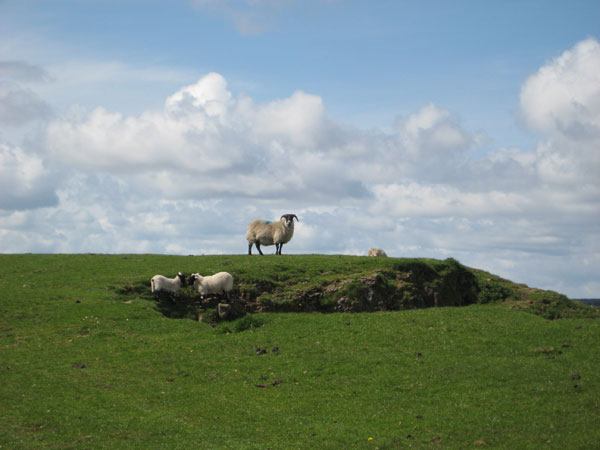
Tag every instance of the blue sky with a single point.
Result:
(467, 129)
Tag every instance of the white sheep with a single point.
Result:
(160, 283)
(218, 283)
(374, 251)
(264, 232)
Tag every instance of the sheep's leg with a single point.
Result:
(279, 247)
(258, 248)
(250, 249)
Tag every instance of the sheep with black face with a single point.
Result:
(219, 283)
(160, 283)
(264, 232)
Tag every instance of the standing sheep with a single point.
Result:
(160, 283)
(264, 232)
(218, 283)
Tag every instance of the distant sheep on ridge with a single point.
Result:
(374, 251)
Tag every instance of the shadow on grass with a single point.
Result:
(184, 304)
(180, 305)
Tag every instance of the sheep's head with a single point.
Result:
(193, 278)
(288, 219)
(181, 278)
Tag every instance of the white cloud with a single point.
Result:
(562, 101)
(432, 129)
(208, 142)
(100, 140)
(410, 200)
(24, 181)
(563, 97)
(208, 96)
(296, 120)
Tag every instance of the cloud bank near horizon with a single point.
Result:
(188, 177)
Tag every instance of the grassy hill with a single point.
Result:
(334, 283)
(88, 359)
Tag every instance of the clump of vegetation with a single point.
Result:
(548, 304)
(333, 283)
(490, 293)
(552, 305)
(248, 322)
(493, 289)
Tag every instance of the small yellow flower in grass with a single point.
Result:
(192, 350)
(370, 439)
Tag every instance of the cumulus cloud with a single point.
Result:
(563, 97)
(207, 142)
(297, 120)
(24, 181)
(434, 132)
(190, 134)
(208, 96)
(562, 102)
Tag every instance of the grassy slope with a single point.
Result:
(83, 368)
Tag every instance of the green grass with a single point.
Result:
(88, 361)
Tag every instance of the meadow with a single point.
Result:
(89, 359)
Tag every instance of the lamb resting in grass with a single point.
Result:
(160, 283)
(376, 252)
(264, 232)
(218, 283)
